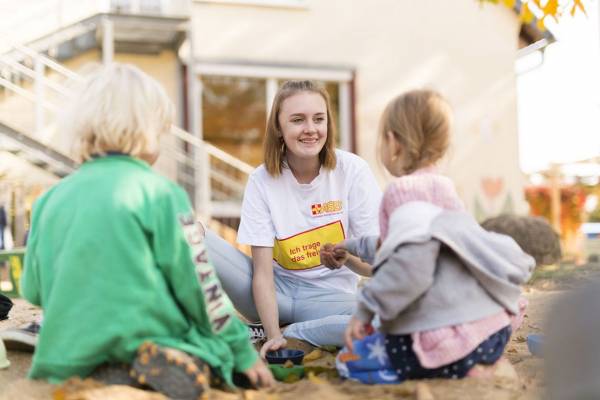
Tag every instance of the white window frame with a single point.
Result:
(342, 76)
(135, 6)
(299, 4)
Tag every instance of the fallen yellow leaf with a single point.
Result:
(345, 357)
(423, 392)
(520, 339)
(59, 394)
(315, 379)
(250, 394)
(313, 355)
(291, 378)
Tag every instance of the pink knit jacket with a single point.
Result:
(442, 346)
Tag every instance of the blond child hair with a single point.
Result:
(119, 109)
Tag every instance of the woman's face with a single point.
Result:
(303, 122)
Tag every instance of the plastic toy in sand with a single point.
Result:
(535, 344)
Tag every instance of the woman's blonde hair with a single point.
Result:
(121, 109)
(274, 147)
(420, 120)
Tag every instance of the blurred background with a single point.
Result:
(522, 78)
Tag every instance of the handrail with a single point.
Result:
(229, 159)
(212, 150)
(213, 176)
(232, 183)
(50, 63)
(32, 74)
(22, 92)
(50, 155)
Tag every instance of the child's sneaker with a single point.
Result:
(23, 338)
(257, 333)
(171, 372)
(5, 305)
(114, 374)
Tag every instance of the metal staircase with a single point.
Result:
(36, 153)
(32, 87)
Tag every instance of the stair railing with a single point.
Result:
(214, 179)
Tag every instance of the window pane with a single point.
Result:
(234, 115)
(334, 96)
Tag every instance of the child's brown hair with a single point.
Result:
(420, 120)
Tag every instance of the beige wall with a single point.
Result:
(162, 67)
(457, 47)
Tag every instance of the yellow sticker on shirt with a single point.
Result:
(301, 251)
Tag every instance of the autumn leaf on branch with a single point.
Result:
(577, 5)
(540, 9)
(526, 15)
(551, 9)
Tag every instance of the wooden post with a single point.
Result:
(40, 112)
(108, 41)
(555, 196)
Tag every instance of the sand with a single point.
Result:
(529, 385)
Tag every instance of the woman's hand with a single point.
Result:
(263, 289)
(356, 330)
(276, 343)
(334, 256)
(259, 375)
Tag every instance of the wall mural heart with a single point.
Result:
(492, 187)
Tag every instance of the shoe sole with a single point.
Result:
(19, 341)
(171, 372)
(114, 374)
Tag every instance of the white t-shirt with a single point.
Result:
(297, 219)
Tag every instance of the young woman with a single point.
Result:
(305, 194)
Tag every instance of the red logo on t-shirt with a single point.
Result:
(316, 209)
(330, 207)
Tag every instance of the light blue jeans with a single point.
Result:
(316, 315)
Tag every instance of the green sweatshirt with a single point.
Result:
(115, 258)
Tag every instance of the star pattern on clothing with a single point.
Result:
(377, 351)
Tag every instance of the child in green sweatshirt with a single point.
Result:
(117, 261)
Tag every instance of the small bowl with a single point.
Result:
(282, 373)
(535, 344)
(281, 356)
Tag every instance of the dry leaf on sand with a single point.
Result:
(423, 392)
